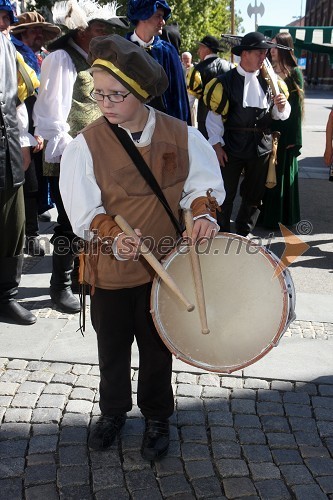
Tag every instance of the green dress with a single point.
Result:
(281, 203)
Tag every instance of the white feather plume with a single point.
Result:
(77, 13)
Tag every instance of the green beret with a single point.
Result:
(129, 64)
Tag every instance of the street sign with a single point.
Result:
(301, 62)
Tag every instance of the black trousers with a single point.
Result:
(117, 317)
(12, 221)
(252, 187)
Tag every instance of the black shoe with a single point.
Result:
(65, 301)
(13, 310)
(33, 247)
(104, 432)
(155, 442)
(45, 217)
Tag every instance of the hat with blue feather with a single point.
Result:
(141, 10)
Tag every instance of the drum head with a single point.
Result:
(247, 308)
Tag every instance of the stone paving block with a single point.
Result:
(226, 450)
(283, 457)
(52, 401)
(64, 378)
(79, 369)
(13, 430)
(209, 488)
(58, 389)
(269, 395)
(77, 492)
(190, 418)
(87, 381)
(73, 435)
(323, 414)
(134, 426)
(320, 466)
(18, 376)
(217, 404)
(220, 418)
(46, 415)
(326, 484)
(172, 486)
(107, 477)
(130, 442)
(308, 491)
(232, 382)
(17, 364)
(108, 458)
(71, 476)
(281, 385)
(152, 494)
(184, 404)
(269, 408)
(272, 423)
(198, 469)
(189, 390)
(132, 461)
(194, 433)
(94, 370)
(75, 420)
(232, 468)
(246, 406)
(23, 400)
(317, 402)
(45, 429)
(194, 451)
(40, 376)
(43, 444)
(11, 467)
(328, 442)
(307, 387)
(39, 474)
(293, 410)
(141, 480)
(168, 466)
(5, 401)
(187, 378)
(309, 438)
(251, 436)
(60, 367)
(272, 489)
(215, 392)
(314, 451)
(210, 379)
(325, 429)
(296, 474)
(257, 453)
(79, 406)
(264, 470)
(243, 394)
(298, 398)
(47, 491)
(220, 433)
(82, 393)
(325, 390)
(303, 424)
(31, 388)
(3, 363)
(38, 365)
(11, 489)
(73, 455)
(255, 383)
(238, 487)
(8, 388)
(18, 415)
(41, 459)
(243, 421)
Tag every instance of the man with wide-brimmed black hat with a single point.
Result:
(63, 108)
(239, 126)
(210, 66)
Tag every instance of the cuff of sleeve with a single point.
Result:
(216, 139)
(204, 205)
(104, 226)
(55, 147)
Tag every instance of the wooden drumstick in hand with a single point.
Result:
(155, 264)
(196, 271)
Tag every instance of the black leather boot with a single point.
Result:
(10, 276)
(156, 439)
(246, 219)
(60, 290)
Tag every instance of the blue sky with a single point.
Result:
(277, 12)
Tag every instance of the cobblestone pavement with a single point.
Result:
(231, 438)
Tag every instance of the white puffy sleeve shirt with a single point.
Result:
(82, 196)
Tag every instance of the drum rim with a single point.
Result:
(275, 263)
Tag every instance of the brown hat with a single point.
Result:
(129, 64)
(35, 20)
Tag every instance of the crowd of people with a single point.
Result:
(74, 106)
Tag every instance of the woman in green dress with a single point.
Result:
(281, 203)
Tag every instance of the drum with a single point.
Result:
(250, 301)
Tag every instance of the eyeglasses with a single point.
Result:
(111, 97)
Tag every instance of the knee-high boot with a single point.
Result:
(10, 276)
(60, 284)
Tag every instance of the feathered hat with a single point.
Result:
(76, 14)
(140, 10)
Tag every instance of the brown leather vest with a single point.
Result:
(125, 192)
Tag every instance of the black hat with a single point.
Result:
(129, 64)
(211, 42)
(253, 41)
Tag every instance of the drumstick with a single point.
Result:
(155, 264)
(196, 272)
